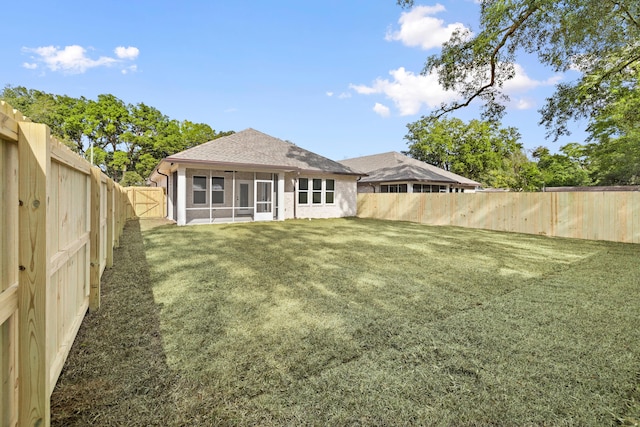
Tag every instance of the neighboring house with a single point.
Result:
(396, 173)
(251, 176)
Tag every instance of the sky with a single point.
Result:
(341, 78)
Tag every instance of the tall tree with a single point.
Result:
(597, 37)
(615, 149)
(561, 169)
(107, 119)
(479, 150)
(125, 140)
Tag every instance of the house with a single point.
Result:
(396, 173)
(251, 176)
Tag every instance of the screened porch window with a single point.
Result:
(199, 190)
(217, 189)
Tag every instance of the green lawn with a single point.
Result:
(358, 322)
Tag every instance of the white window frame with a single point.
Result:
(306, 191)
(332, 191)
(217, 191)
(396, 186)
(317, 191)
(314, 193)
(199, 190)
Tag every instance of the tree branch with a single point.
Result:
(493, 61)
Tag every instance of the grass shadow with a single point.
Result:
(116, 372)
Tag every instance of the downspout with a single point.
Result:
(167, 187)
(295, 196)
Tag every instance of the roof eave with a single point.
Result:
(232, 165)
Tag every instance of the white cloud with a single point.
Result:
(419, 28)
(525, 104)
(408, 91)
(329, 94)
(381, 110)
(521, 82)
(127, 52)
(344, 95)
(74, 59)
(130, 69)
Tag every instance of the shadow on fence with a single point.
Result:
(136, 380)
(60, 219)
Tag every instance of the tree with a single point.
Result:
(107, 119)
(121, 137)
(561, 170)
(597, 37)
(479, 150)
(615, 151)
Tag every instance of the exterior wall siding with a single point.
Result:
(345, 199)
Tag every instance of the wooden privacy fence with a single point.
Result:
(613, 216)
(59, 221)
(147, 202)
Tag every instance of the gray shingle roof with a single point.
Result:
(253, 148)
(393, 166)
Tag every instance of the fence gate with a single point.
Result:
(148, 202)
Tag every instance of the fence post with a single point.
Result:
(110, 220)
(34, 165)
(94, 241)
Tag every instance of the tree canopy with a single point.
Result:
(479, 150)
(598, 38)
(493, 156)
(125, 140)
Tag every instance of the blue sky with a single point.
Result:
(337, 77)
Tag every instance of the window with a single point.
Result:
(393, 188)
(317, 191)
(217, 189)
(303, 191)
(330, 188)
(323, 191)
(428, 188)
(199, 190)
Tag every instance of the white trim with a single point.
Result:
(280, 202)
(182, 195)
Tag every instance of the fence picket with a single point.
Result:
(46, 224)
(612, 216)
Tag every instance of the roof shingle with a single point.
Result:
(393, 166)
(253, 148)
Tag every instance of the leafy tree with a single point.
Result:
(107, 119)
(196, 133)
(526, 176)
(479, 150)
(560, 170)
(146, 164)
(99, 157)
(597, 37)
(122, 137)
(615, 150)
(131, 178)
